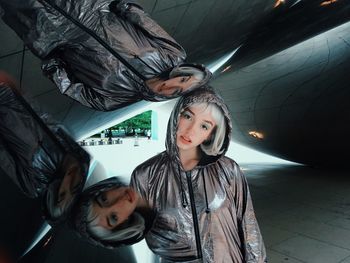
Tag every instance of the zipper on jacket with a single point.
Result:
(194, 216)
(93, 35)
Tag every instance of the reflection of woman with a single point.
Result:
(204, 209)
(104, 54)
(43, 161)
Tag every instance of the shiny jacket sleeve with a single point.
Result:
(135, 14)
(56, 71)
(254, 248)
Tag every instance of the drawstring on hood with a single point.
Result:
(184, 201)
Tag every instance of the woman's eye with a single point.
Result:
(113, 219)
(103, 198)
(205, 127)
(186, 115)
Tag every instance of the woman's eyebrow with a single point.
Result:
(188, 78)
(188, 109)
(209, 122)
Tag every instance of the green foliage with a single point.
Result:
(141, 121)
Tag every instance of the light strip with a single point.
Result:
(42, 232)
(216, 65)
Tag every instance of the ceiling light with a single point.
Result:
(278, 3)
(328, 2)
(256, 134)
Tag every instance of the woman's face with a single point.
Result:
(114, 206)
(174, 86)
(195, 126)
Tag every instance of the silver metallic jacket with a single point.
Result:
(97, 52)
(206, 214)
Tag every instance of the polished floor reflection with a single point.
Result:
(303, 213)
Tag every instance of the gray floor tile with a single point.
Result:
(9, 41)
(275, 257)
(274, 235)
(346, 260)
(303, 213)
(311, 251)
(343, 222)
(323, 232)
(12, 64)
(315, 213)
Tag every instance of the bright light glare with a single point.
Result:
(278, 3)
(256, 134)
(324, 3)
(217, 64)
(41, 233)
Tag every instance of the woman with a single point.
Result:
(104, 54)
(204, 210)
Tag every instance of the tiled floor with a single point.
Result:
(303, 213)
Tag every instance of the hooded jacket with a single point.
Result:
(205, 214)
(36, 155)
(97, 52)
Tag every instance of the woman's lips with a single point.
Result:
(185, 140)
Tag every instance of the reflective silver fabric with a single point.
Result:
(81, 66)
(227, 225)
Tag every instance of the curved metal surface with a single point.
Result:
(297, 99)
(288, 82)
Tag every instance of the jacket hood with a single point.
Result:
(150, 95)
(79, 218)
(200, 95)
